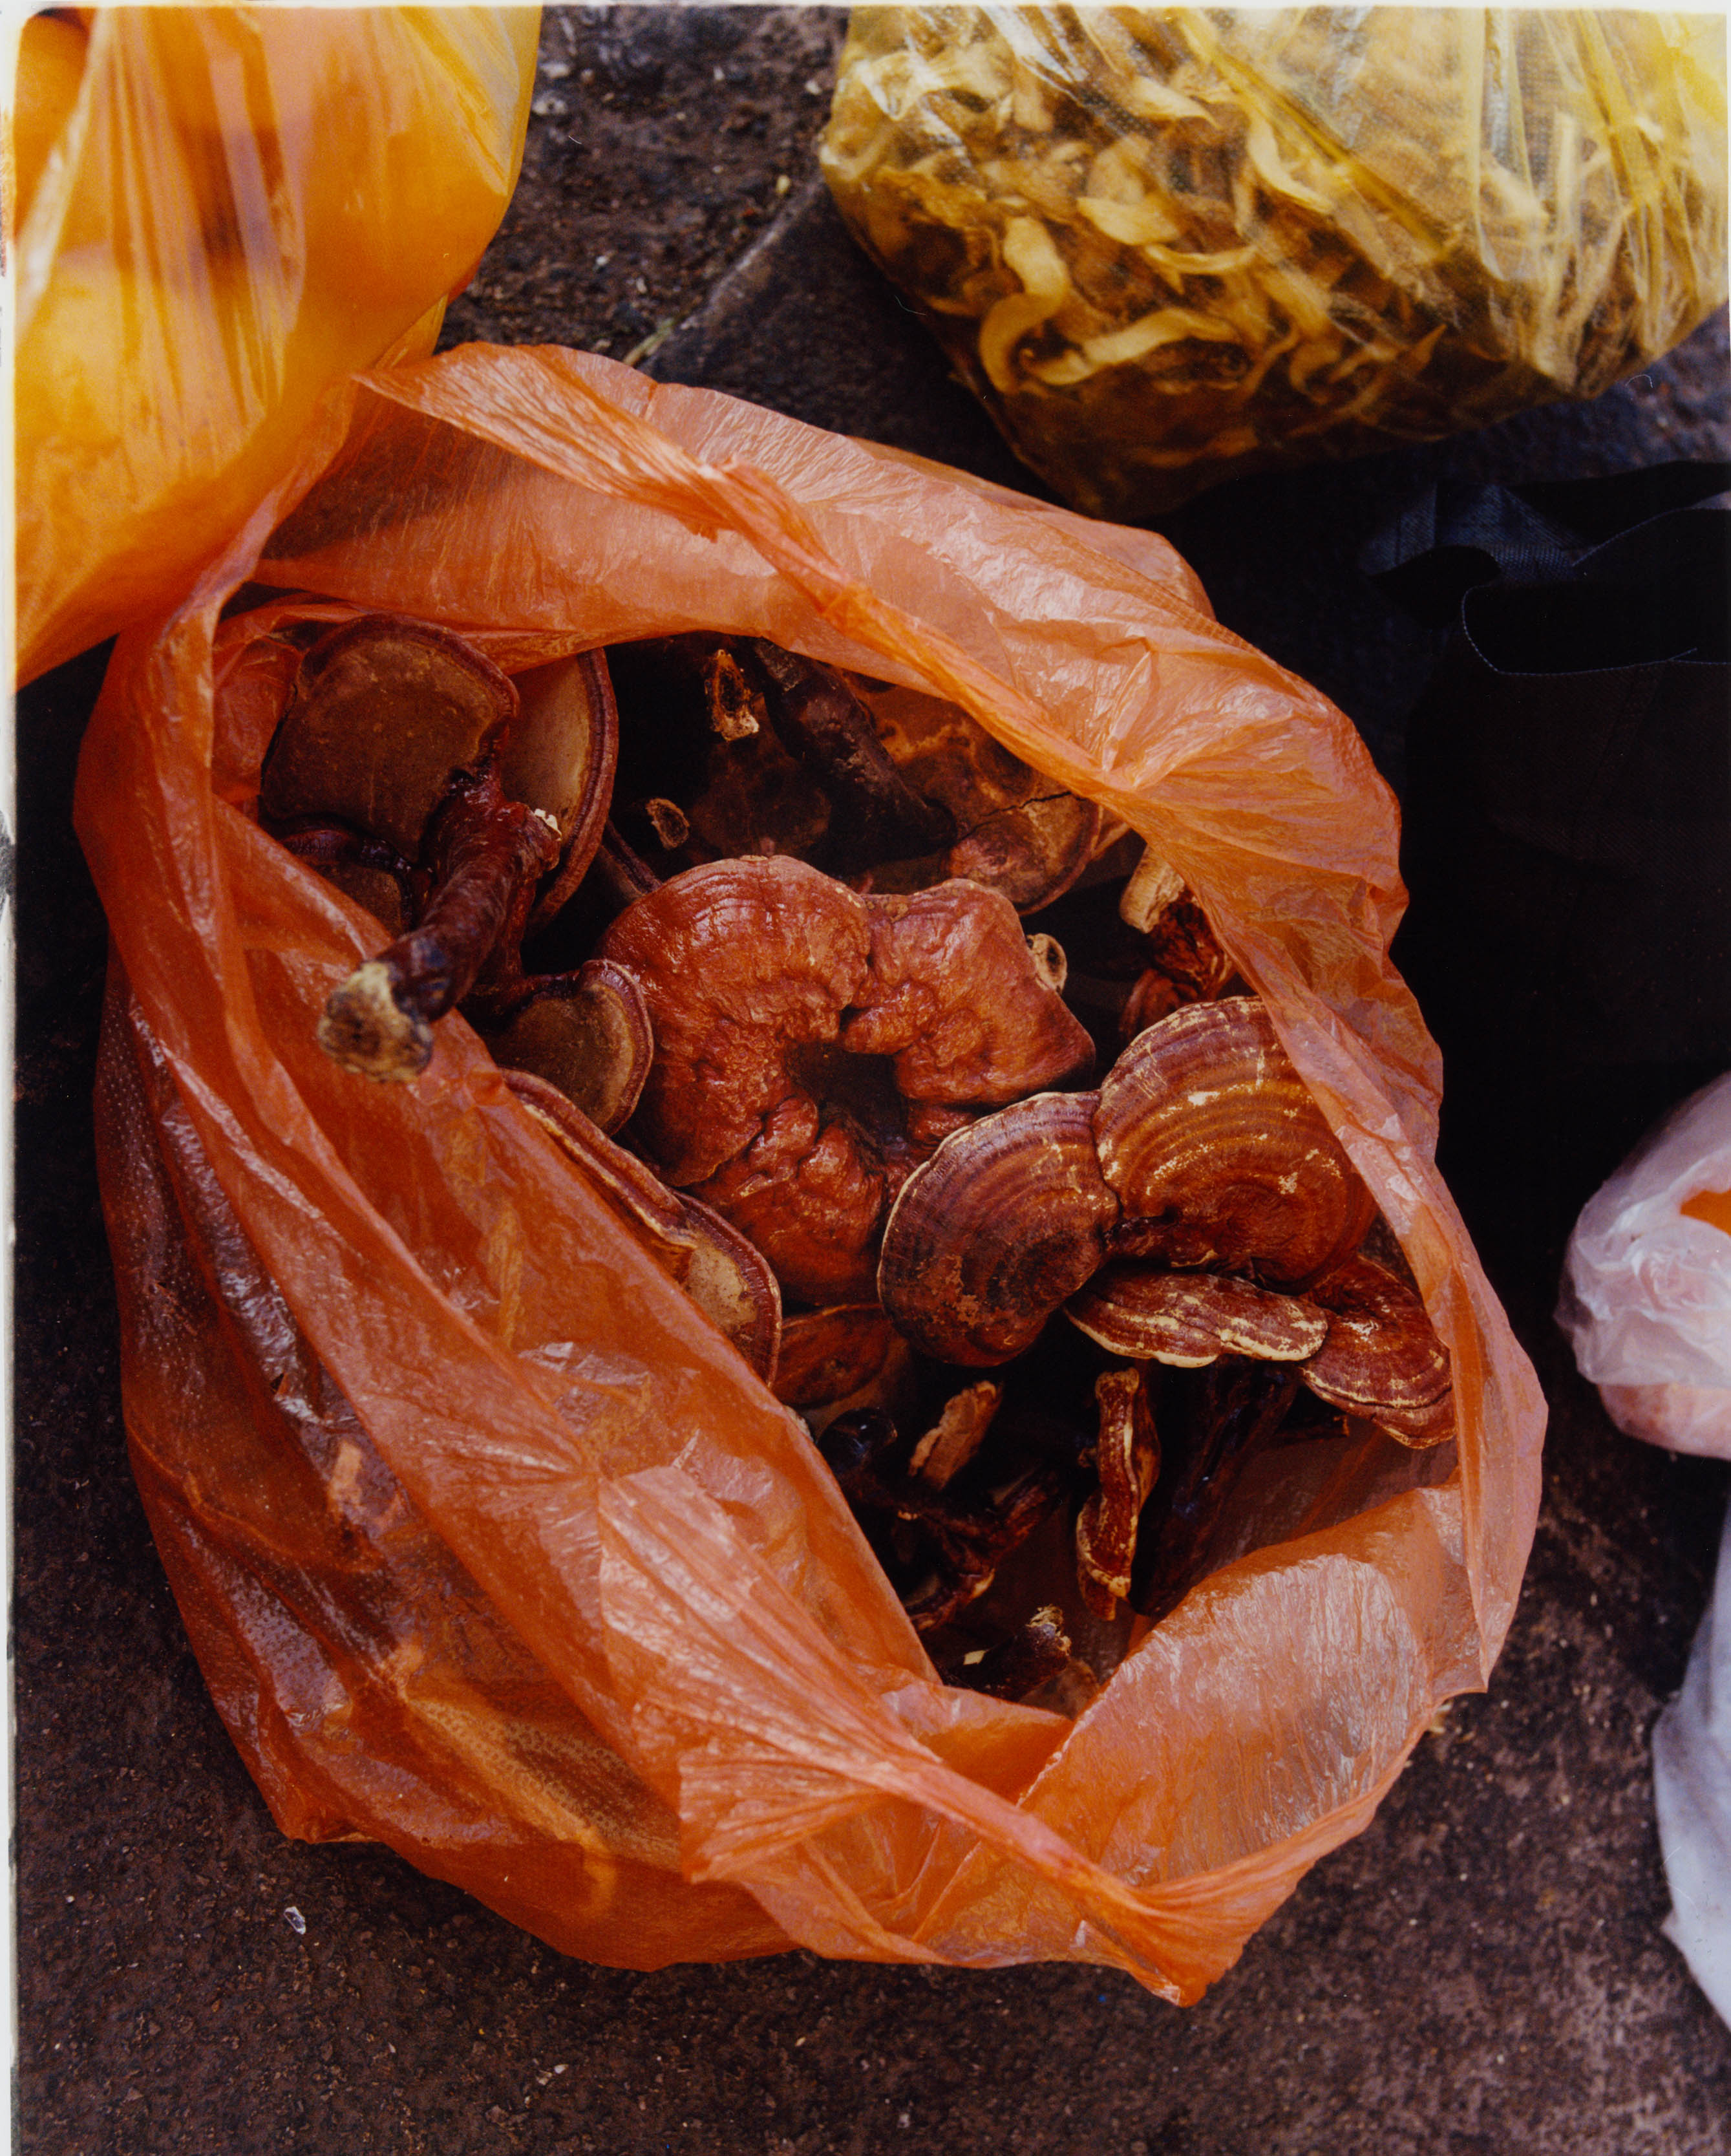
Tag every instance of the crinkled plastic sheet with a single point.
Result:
(490, 1549)
(1646, 1287)
(1171, 245)
(243, 205)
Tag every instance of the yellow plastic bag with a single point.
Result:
(219, 211)
(490, 1548)
(1167, 246)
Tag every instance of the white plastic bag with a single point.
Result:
(1646, 1287)
(1692, 1794)
(1646, 1304)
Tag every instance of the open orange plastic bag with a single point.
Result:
(490, 1549)
(215, 212)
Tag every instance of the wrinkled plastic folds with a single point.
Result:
(1645, 1297)
(1691, 1796)
(240, 206)
(490, 1549)
(1167, 246)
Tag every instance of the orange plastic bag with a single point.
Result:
(217, 213)
(489, 1547)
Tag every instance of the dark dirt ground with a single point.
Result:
(1481, 1974)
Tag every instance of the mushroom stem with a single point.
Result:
(489, 853)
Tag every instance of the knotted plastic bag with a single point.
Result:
(1167, 246)
(489, 1547)
(216, 213)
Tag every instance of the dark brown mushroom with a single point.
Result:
(1220, 1155)
(1034, 1653)
(1184, 965)
(1001, 1225)
(1191, 1319)
(811, 1044)
(1382, 1358)
(875, 814)
(724, 1275)
(370, 872)
(892, 788)
(828, 1354)
(587, 1033)
(1127, 1458)
(404, 734)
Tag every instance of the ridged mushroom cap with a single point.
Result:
(1382, 1358)
(1002, 1224)
(1191, 1319)
(1220, 1155)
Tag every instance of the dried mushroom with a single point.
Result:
(1190, 1319)
(854, 1094)
(811, 1044)
(942, 1547)
(1219, 1154)
(999, 1228)
(1382, 1358)
(398, 735)
(1126, 1461)
(888, 787)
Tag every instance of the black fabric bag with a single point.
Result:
(1568, 822)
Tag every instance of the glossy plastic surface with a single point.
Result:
(224, 211)
(1166, 246)
(491, 1549)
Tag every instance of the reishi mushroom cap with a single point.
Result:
(1382, 1358)
(560, 758)
(744, 963)
(1002, 1224)
(828, 1354)
(384, 713)
(1221, 1155)
(812, 1045)
(961, 1003)
(1191, 1319)
(587, 1033)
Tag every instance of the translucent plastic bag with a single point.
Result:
(217, 212)
(1647, 1283)
(1167, 246)
(490, 1549)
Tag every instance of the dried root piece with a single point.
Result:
(1216, 1422)
(942, 1547)
(1127, 1457)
